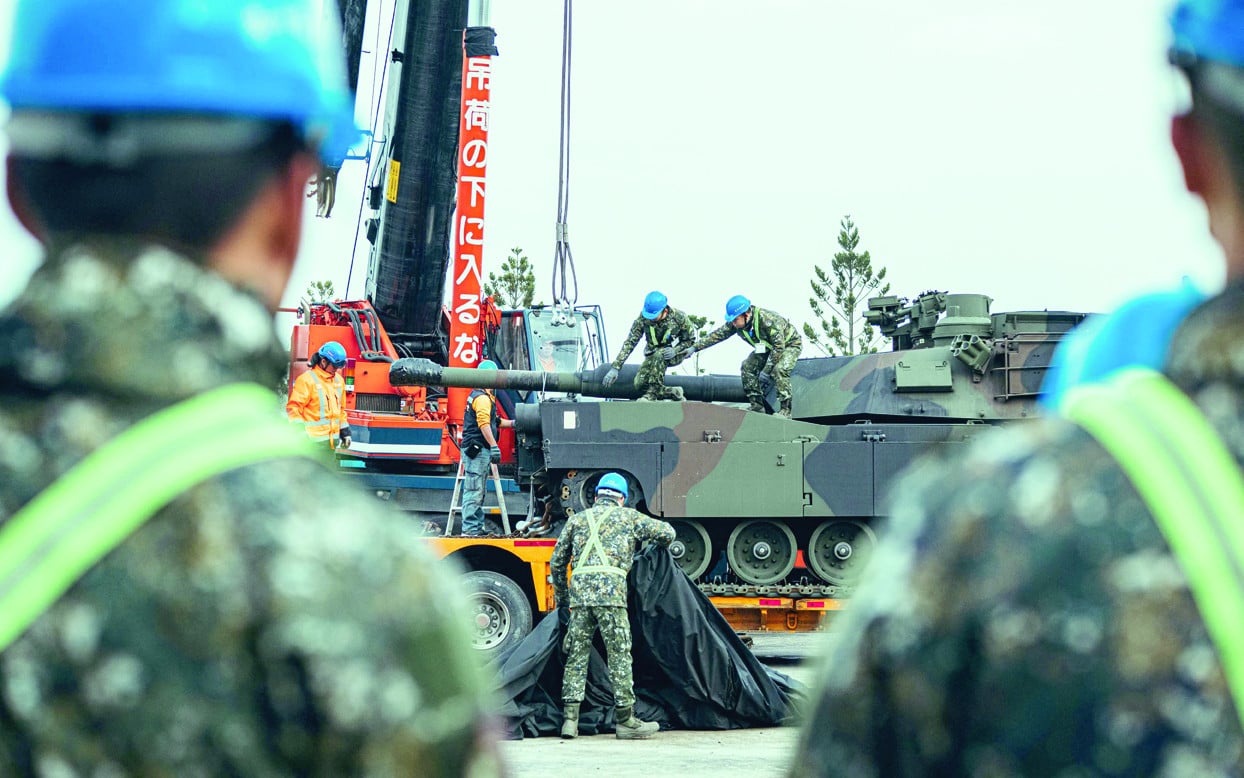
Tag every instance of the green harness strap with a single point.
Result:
(51, 542)
(594, 546)
(1193, 487)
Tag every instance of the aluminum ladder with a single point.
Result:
(455, 502)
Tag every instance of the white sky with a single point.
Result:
(1015, 149)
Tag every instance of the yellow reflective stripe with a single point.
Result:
(1192, 485)
(610, 569)
(593, 545)
(51, 542)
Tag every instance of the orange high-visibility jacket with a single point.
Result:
(318, 402)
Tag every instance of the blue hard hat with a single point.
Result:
(737, 306)
(487, 364)
(278, 60)
(654, 303)
(1209, 30)
(614, 482)
(334, 352)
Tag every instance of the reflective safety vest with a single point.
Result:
(593, 546)
(51, 542)
(748, 333)
(318, 404)
(1192, 486)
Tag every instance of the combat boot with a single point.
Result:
(628, 726)
(784, 411)
(570, 720)
(677, 394)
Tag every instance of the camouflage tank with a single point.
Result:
(755, 496)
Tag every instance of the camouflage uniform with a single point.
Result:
(674, 330)
(599, 597)
(1026, 616)
(268, 622)
(776, 345)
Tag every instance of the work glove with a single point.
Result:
(686, 352)
(668, 354)
(344, 439)
(610, 377)
(494, 455)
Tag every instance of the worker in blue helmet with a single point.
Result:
(598, 546)
(668, 336)
(190, 587)
(317, 398)
(1063, 597)
(481, 451)
(775, 344)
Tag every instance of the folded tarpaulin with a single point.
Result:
(691, 670)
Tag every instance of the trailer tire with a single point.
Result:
(500, 612)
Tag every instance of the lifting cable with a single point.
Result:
(371, 179)
(565, 282)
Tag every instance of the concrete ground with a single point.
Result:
(741, 753)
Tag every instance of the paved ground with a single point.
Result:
(742, 753)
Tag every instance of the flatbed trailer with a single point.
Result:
(510, 587)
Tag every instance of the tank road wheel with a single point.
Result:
(761, 552)
(839, 551)
(499, 611)
(691, 548)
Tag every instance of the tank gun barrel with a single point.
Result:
(424, 372)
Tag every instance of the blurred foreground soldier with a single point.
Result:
(480, 451)
(599, 545)
(1067, 599)
(775, 346)
(318, 396)
(184, 589)
(668, 338)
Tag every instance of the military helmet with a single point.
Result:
(613, 482)
(333, 353)
(654, 303)
(737, 306)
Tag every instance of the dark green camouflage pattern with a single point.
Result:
(776, 345)
(1025, 616)
(619, 533)
(674, 330)
(615, 632)
(269, 622)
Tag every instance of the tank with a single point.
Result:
(765, 505)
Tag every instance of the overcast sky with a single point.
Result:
(1015, 149)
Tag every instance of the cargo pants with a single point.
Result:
(615, 630)
(475, 471)
(779, 364)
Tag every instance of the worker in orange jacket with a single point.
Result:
(317, 398)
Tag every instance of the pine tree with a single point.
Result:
(839, 293)
(516, 286)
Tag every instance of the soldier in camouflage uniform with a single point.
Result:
(600, 543)
(1025, 614)
(668, 336)
(270, 621)
(775, 346)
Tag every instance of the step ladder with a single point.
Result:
(455, 502)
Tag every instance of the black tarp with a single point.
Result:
(691, 669)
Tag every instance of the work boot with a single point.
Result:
(570, 720)
(628, 726)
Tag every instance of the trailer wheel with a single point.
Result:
(500, 613)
